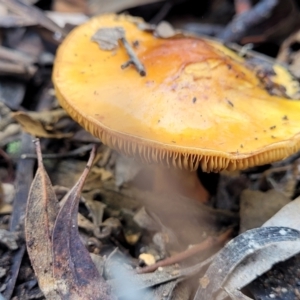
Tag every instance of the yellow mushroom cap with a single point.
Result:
(198, 105)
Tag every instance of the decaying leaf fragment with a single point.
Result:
(61, 262)
(42, 209)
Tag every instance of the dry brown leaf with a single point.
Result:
(42, 209)
(73, 268)
(41, 124)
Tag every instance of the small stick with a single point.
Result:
(16, 56)
(133, 59)
(16, 69)
(237, 28)
(75, 152)
(206, 244)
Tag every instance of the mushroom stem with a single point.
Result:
(179, 181)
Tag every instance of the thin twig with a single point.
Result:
(237, 28)
(24, 177)
(206, 244)
(16, 56)
(16, 69)
(16, 21)
(17, 258)
(76, 152)
(162, 13)
(133, 59)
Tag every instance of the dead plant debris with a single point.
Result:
(102, 230)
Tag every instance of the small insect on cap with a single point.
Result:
(181, 100)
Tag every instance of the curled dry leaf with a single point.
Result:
(263, 259)
(41, 124)
(73, 268)
(240, 253)
(42, 209)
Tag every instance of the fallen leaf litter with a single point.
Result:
(108, 211)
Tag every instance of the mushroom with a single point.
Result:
(199, 105)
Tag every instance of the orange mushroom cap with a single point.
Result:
(198, 105)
